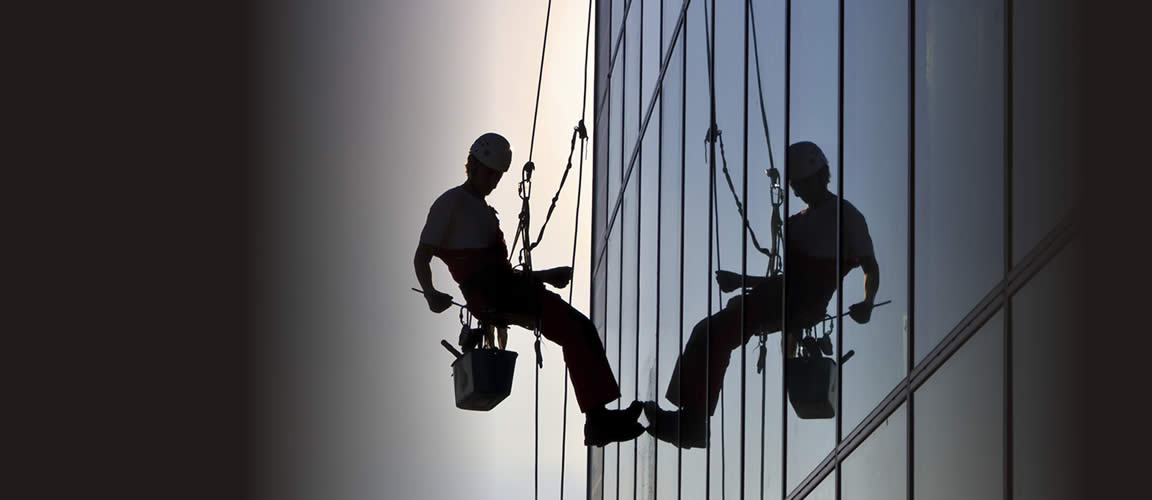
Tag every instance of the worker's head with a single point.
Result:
(488, 159)
(808, 173)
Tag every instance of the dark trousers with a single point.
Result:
(699, 373)
(513, 299)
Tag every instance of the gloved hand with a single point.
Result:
(861, 312)
(727, 280)
(438, 301)
(557, 277)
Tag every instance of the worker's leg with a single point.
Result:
(592, 378)
(710, 353)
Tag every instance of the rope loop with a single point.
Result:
(539, 357)
(526, 181)
(713, 134)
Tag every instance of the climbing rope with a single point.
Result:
(709, 33)
(576, 226)
(775, 263)
(523, 240)
(525, 191)
(715, 135)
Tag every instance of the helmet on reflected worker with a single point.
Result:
(493, 151)
(804, 160)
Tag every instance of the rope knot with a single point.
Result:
(581, 131)
(713, 134)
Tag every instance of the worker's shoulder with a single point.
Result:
(850, 208)
(450, 197)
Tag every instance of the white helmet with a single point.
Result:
(493, 151)
(805, 159)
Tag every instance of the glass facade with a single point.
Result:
(940, 389)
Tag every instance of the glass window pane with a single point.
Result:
(959, 426)
(646, 177)
(764, 394)
(959, 151)
(669, 333)
(810, 259)
(727, 236)
(612, 348)
(826, 490)
(627, 220)
(1046, 328)
(878, 469)
(876, 183)
(1045, 130)
(696, 259)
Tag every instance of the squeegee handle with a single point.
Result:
(450, 348)
(878, 304)
(457, 304)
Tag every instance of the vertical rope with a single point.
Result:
(527, 250)
(784, 300)
(607, 239)
(620, 276)
(710, 33)
(639, 238)
(720, 299)
(744, 258)
(539, 81)
(575, 238)
(683, 170)
(772, 258)
(659, 235)
(910, 356)
(839, 245)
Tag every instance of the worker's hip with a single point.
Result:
(807, 300)
(502, 297)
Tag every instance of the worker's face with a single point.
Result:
(808, 188)
(485, 180)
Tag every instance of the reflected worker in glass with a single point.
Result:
(812, 281)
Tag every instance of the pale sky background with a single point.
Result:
(371, 107)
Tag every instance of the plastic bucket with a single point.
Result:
(483, 378)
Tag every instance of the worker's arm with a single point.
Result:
(728, 280)
(557, 276)
(437, 301)
(861, 311)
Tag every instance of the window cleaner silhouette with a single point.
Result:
(463, 231)
(812, 281)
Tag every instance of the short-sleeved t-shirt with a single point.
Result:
(812, 243)
(466, 234)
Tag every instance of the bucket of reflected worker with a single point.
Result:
(812, 386)
(483, 378)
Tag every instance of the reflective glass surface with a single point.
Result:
(813, 117)
(958, 433)
(1044, 149)
(877, 470)
(1046, 328)
(876, 183)
(959, 158)
(674, 337)
(667, 334)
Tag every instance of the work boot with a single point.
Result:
(603, 426)
(662, 424)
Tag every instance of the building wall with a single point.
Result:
(948, 125)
